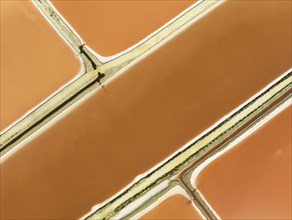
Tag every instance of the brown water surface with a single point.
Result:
(148, 112)
(173, 207)
(253, 179)
(35, 61)
(109, 27)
